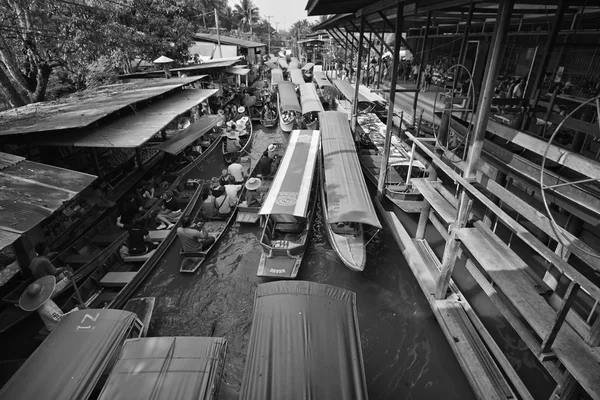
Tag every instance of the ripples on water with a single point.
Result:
(406, 356)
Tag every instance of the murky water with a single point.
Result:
(406, 355)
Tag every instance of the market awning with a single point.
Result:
(304, 344)
(174, 368)
(309, 98)
(276, 76)
(307, 66)
(69, 363)
(183, 139)
(348, 91)
(296, 76)
(237, 71)
(321, 79)
(291, 188)
(31, 191)
(348, 198)
(136, 129)
(287, 97)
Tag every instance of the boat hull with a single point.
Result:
(229, 156)
(286, 127)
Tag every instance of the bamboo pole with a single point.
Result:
(421, 66)
(357, 82)
(390, 116)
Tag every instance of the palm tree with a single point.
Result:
(247, 12)
(227, 19)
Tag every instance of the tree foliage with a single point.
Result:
(247, 14)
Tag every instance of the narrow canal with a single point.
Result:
(406, 355)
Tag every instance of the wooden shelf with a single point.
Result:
(431, 192)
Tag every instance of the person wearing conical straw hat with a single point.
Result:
(253, 198)
(37, 298)
(233, 140)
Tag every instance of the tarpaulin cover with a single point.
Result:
(366, 92)
(296, 76)
(276, 76)
(290, 191)
(309, 98)
(348, 91)
(287, 97)
(173, 368)
(190, 134)
(69, 363)
(321, 79)
(307, 66)
(304, 344)
(376, 130)
(348, 199)
(282, 63)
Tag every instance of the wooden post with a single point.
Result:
(138, 157)
(593, 338)
(483, 110)
(368, 60)
(463, 45)
(421, 66)
(567, 389)
(357, 81)
(410, 163)
(97, 163)
(561, 315)
(390, 116)
(379, 70)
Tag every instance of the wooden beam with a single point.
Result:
(380, 38)
(561, 315)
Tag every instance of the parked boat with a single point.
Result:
(311, 105)
(294, 63)
(245, 141)
(289, 208)
(283, 63)
(76, 357)
(346, 101)
(288, 106)
(249, 214)
(380, 105)
(327, 92)
(304, 343)
(373, 132)
(190, 368)
(296, 76)
(276, 78)
(216, 228)
(307, 71)
(345, 200)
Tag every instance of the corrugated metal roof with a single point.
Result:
(213, 38)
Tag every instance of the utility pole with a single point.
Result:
(268, 17)
(218, 34)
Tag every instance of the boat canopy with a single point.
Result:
(307, 66)
(348, 198)
(321, 79)
(376, 130)
(296, 76)
(304, 344)
(366, 92)
(190, 134)
(309, 98)
(287, 97)
(276, 76)
(290, 191)
(69, 363)
(282, 63)
(294, 65)
(271, 64)
(174, 368)
(348, 91)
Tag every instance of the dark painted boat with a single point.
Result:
(245, 141)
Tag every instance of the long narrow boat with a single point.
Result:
(73, 360)
(288, 106)
(247, 214)
(326, 90)
(345, 199)
(294, 63)
(304, 344)
(380, 105)
(245, 141)
(373, 132)
(174, 368)
(216, 228)
(311, 105)
(283, 63)
(289, 208)
(307, 71)
(276, 78)
(346, 103)
(296, 76)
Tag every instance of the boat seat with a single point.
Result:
(343, 230)
(158, 236)
(140, 258)
(117, 279)
(78, 259)
(284, 244)
(287, 227)
(107, 239)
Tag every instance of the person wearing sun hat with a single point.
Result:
(253, 198)
(233, 140)
(271, 149)
(37, 298)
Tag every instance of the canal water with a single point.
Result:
(406, 355)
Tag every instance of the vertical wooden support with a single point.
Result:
(138, 156)
(463, 44)
(423, 220)
(421, 66)
(593, 338)
(561, 315)
(546, 52)
(97, 163)
(379, 69)
(368, 60)
(357, 81)
(390, 115)
(567, 389)
(483, 110)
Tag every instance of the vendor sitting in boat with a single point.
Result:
(288, 116)
(233, 140)
(208, 208)
(264, 165)
(139, 242)
(311, 117)
(222, 203)
(194, 237)
(169, 213)
(253, 197)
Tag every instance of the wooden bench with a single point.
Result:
(78, 259)
(107, 239)
(158, 236)
(431, 192)
(289, 227)
(117, 279)
(141, 258)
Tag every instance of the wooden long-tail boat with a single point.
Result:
(288, 106)
(311, 105)
(245, 141)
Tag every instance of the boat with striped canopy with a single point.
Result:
(345, 199)
(289, 208)
(311, 105)
(288, 105)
